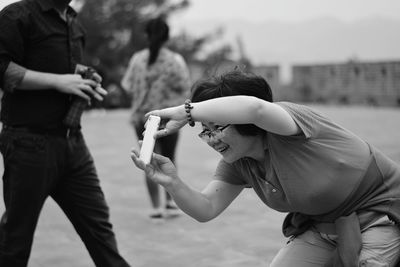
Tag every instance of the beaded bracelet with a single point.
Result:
(188, 107)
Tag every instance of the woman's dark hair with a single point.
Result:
(157, 31)
(233, 83)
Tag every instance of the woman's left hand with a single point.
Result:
(172, 126)
(175, 118)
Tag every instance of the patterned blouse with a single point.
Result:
(163, 84)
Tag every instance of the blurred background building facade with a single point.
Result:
(353, 82)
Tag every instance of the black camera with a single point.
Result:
(85, 72)
(73, 117)
(88, 73)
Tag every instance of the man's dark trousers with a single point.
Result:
(57, 164)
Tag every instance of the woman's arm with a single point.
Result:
(236, 110)
(243, 110)
(202, 206)
(208, 204)
(127, 79)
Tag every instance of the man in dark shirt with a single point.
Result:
(41, 44)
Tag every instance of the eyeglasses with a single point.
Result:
(206, 135)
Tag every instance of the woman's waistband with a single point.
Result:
(372, 218)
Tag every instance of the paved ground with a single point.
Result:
(247, 234)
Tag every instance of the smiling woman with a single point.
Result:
(207, 134)
(340, 192)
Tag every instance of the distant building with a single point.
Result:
(372, 83)
(271, 74)
(375, 83)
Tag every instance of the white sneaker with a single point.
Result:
(171, 210)
(157, 215)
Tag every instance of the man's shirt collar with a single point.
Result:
(47, 5)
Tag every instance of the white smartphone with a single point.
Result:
(146, 151)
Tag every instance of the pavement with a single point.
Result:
(246, 234)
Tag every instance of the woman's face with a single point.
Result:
(226, 140)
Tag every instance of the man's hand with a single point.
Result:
(76, 85)
(65, 83)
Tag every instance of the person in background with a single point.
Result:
(156, 78)
(41, 45)
(342, 194)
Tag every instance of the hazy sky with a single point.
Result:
(286, 10)
(5, 2)
(285, 52)
(292, 10)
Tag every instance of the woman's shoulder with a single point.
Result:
(297, 109)
(139, 58)
(233, 173)
(171, 54)
(144, 53)
(291, 105)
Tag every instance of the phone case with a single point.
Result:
(152, 124)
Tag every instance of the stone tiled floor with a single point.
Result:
(231, 240)
(246, 234)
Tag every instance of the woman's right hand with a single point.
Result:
(161, 170)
